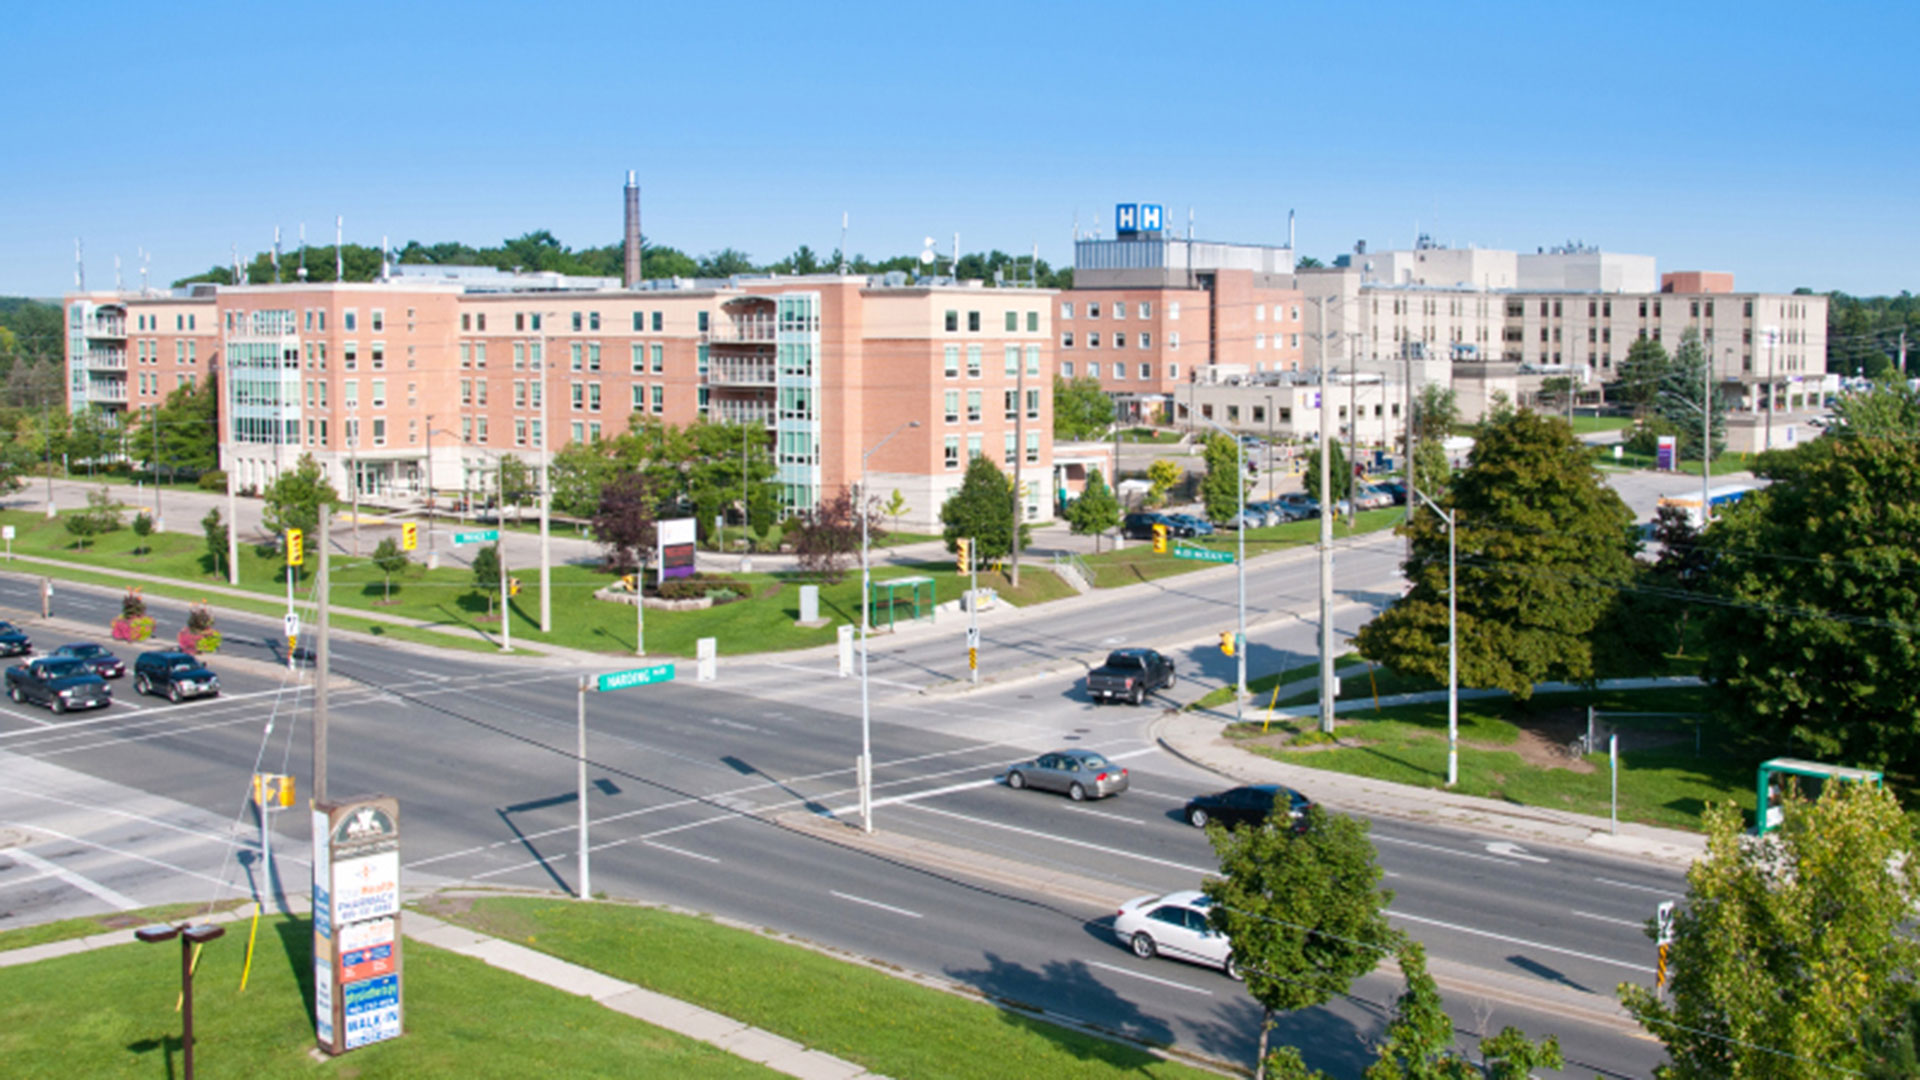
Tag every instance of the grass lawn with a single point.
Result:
(1259, 688)
(890, 1026)
(1112, 569)
(1723, 464)
(110, 1013)
(1513, 751)
(1587, 425)
(68, 929)
(1149, 435)
(457, 612)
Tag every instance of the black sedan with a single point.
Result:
(98, 660)
(13, 640)
(1252, 805)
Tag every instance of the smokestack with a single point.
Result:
(633, 232)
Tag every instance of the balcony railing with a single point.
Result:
(107, 391)
(725, 372)
(106, 328)
(740, 412)
(112, 359)
(743, 331)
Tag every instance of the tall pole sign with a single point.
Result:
(356, 922)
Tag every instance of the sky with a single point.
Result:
(1775, 141)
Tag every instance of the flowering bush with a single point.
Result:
(139, 628)
(201, 643)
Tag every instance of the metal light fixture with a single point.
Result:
(190, 936)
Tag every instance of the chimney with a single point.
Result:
(633, 232)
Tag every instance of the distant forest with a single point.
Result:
(542, 251)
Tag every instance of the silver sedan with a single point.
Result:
(1081, 774)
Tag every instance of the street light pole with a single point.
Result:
(1453, 640)
(546, 495)
(1326, 520)
(1240, 539)
(864, 769)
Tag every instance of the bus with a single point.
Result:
(1719, 498)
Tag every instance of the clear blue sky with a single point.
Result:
(1776, 141)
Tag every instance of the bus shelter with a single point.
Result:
(917, 594)
(1808, 777)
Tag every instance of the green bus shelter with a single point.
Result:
(920, 598)
(1807, 776)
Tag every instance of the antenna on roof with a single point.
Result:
(386, 268)
(302, 272)
(276, 254)
(79, 265)
(146, 259)
(1289, 232)
(843, 241)
(339, 234)
(237, 279)
(1076, 224)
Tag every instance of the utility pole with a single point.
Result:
(229, 394)
(1326, 519)
(1770, 340)
(1019, 455)
(353, 480)
(321, 661)
(506, 615)
(546, 488)
(153, 418)
(1353, 421)
(433, 553)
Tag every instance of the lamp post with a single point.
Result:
(546, 487)
(1453, 639)
(190, 936)
(1240, 540)
(865, 766)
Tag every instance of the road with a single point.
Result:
(698, 789)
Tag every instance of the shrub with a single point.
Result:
(213, 480)
(138, 628)
(132, 605)
(200, 618)
(200, 643)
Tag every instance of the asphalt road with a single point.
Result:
(693, 785)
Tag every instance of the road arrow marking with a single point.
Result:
(1513, 851)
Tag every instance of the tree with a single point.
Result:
(827, 541)
(1889, 410)
(215, 532)
(725, 263)
(1225, 483)
(1081, 410)
(1338, 471)
(1558, 391)
(982, 510)
(294, 498)
(1419, 1040)
(1096, 511)
(1678, 576)
(101, 516)
(1435, 412)
(578, 473)
(1816, 583)
(1642, 372)
(895, 506)
(1308, 262)
(1431, 472)
(142, 528)
(519, 483)
(486, 574)
(1302, 907)
(1785, 950)
(1686, 391)
(390, 560)
(1161, 476)
(626, 522)
(90, 437)
(1543, 552)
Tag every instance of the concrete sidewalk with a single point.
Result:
(1197, 737)
(763, 1047)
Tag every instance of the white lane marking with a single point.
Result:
(1631, 885)
(877, 904)
(1072, 809)
(29, 718)
(1445, 850)
(42, 876)
(1148, 978)
(84, 884)
(896, 800)
(683, 851)
(1199, 871)
(125, 704)
(835, 675)
(1513, 851)
(105, 717)
(1611, 919)
(1522, 942)
(435, 676)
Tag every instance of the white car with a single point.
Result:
(1174, 925)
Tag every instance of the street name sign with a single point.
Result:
(1202, 555)
(642, 676)
(478, 536)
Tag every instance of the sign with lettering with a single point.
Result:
(674, 541)
(357, 936)
(371, 1010)
(366, 888)
(1132, 218)
(645, 676)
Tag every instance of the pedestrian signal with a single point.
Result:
(1159, 539)
(409, 536)
(296, 548)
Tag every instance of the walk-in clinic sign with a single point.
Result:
(356, 922)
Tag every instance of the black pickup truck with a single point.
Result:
(1130, 675)
(59, 684)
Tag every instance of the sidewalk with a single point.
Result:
(765, 1048)
(1196, 737)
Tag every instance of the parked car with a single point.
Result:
(1251, 518)
(1140, 526)
(174, 675)
(1195, 526)
(14, 641)
(98, 659)
(1081, 774)
(58, 683)
(1130, 675)
(1252, 805)
(1174, 925)
(1395, 488)
(1371, 497)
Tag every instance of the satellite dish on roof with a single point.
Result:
(926, 257)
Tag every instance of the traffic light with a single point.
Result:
(409, 536)
(513, 586)
(1159, 539)
(963, 555)
(1226, 642)
(296, 548)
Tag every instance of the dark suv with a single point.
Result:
(13, 640)
(176, 675)
(1140, 526)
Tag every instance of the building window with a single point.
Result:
(1033, 322)
(973, 322)
(953, 322)
(1093, 369)
(1066, 369)
(1033, 447)
(1259, 313)
(1013, 322)
(973, 406)
(350, 320)
(1066, 339)
(1146, 309)
(466, 391)
(377, 321)
(973, 361)
(1119, 339)
(379, 431)
(466, 321)
(1093, 309)
(579, 394)
(380, 393)
(639, 321)
(658, 352)
(953, 361)
(593, 397)
(700, 321)
(519, 393)
(519, 433)
(1119, 371)
(350, 355)
(639, 356)
(659, 318)
(1013, 360)
(1173, 310)
(1010, 402)
(576, 322)
(1146, 372)
(973, 446)
(1033, 360)
(593, 321)
(639, 397)
(1066, 310)
(659, 398)
(576, 354)
(593, 356)
(1012, 450)
(953, 452)
(578, 431)
(519, 356)
(1093, 339)
(1146, 340)
(1033, 404)
(1173, 371)
(953, 406)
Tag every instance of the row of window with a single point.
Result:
(975, 403)
(181, 321)
(1145, 310)
(976, 356)
(976, 446)
(1012, 322)
(147, 351)
(1119, 370)
(150, 381)
(1144, 339)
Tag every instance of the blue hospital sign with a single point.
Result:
(1137, 218)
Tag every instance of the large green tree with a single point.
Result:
(1890, 409)
(1081, 410)
(1641, 373)
(1689, 390)
(1435, 412)
(1784, 953)
(1225, 482)
(1543, 551)
(1812, 639)
(1419, 1041)
(1302, 907)
(294, 498)
(182, 436)
(1337, 471)
(982, 510)
(1096, 511)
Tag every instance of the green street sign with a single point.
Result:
(640, 676)
(479, 536)
(1202, 554)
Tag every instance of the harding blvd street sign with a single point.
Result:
(1199, 554)
(642, 676)
(478, 536)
